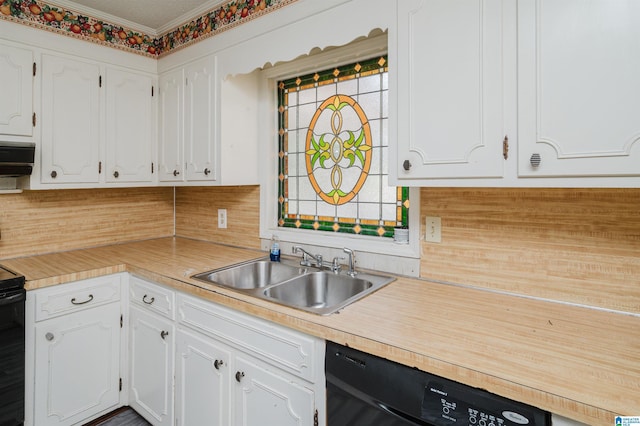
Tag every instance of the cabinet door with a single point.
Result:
(170, 137)
(129, 126)
(578, 88)
(450, 94)
(202, 381)
(16, 102)
(151, 353)
(77, 365)
(70, 120)
(199, 120)
(263, 397)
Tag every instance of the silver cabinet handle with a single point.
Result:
(535, 160)
(49, 336)
(239, 376)
(164, 334)
(73, 301)
(148, 302)
(218, 363)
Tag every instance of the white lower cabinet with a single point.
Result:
(151, 352)
(202, 380)
(176, 359)
(250, 371)
(264, 396)
(73, 352)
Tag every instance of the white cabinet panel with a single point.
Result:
(77, 365)
(70, 120)
(202, 381)
(579, 91)
(16, 102)
(263, 397)
(199, 120)
(170, 137)
(129, 126)
(450, 93)
(151, 366)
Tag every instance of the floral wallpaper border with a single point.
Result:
(41, 15)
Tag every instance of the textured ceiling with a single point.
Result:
(155, 15)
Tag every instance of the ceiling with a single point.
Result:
(152, 17)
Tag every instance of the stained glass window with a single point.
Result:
(333, 149)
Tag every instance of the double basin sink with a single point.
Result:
(311, 289)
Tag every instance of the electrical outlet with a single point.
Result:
(222, 218)
(433, 229)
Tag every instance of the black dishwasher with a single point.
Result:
(12, 298)
(365, 390)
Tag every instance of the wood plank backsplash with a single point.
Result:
(36, 222)
(197, 214)
(574, 245)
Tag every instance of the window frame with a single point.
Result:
(268, 125)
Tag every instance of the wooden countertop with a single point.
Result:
(578, 362)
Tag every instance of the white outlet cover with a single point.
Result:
(433, 229)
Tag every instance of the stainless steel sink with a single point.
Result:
(310, 289)
(252, 274)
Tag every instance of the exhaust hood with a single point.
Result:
(16, 159)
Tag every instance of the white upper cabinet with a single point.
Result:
(16, 102)
(199, 120)
(187, 123)
(170, 137)
(450, 90)
(129, 126)
(70, 120)
(579, 88)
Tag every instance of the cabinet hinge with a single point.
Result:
(120, 384)
(33, 119)
(152, 91)
(120, 320)
(151, 168)
(34, 69)
(315, 418)
(505, 147)
(100, 81)
(99, 167)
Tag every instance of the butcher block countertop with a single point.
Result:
(578, 362)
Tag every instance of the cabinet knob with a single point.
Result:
(406, 165)
(239, 376)
(116, 174)
(535, 160)
(218, 363)
(148, 301)
(49, 336)
(54, 174)
(176, 173)
(206, 172)
(164, 334)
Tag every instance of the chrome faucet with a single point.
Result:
(306, 255)
(352, 262)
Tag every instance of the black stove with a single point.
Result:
(12, 341)
(10, 280)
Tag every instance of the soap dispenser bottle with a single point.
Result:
(274, 254)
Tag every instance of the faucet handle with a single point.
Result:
(335, 264)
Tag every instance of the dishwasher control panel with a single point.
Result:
(446, 402)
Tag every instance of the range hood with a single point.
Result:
(16, 159)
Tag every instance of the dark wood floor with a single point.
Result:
(124, 416)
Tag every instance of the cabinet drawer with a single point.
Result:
(151, 296)
(294, 352)
(76, 296)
